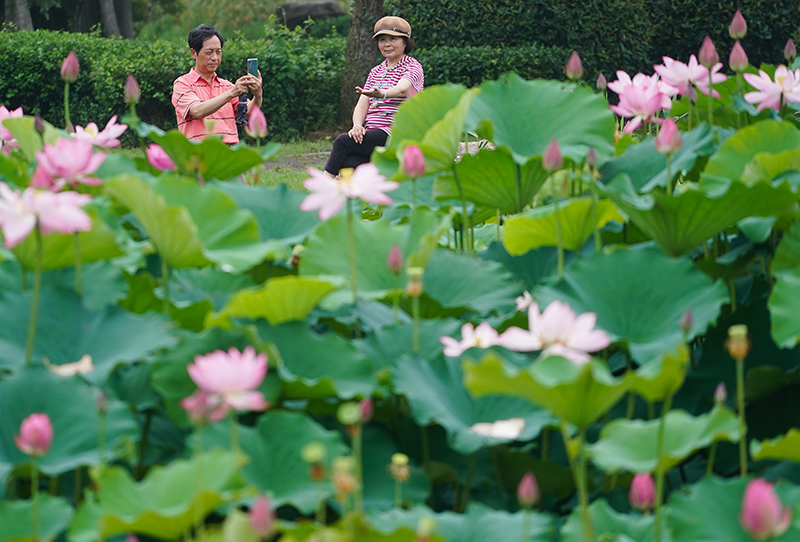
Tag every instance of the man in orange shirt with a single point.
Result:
(202, 98)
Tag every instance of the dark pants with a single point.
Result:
(347, 153)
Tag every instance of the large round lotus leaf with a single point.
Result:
(729, 162)
(578, 217)
(317, 365)
(384, 348)
(279, 300)
(70, 404)
(16, 519)
(532, 268)
(784, 316)
(680, 223)
(276, 465)
(24, 131)
(787, 255)
(709, 511)
(191, 225)
(103, 283)
(492, 179)
(210, 158)
(526, 115)
(611, 525)
(785, 447)
(436, 393)
(190, 286)
(379, 486)
(165, 505)
(277, 210)
(343, 529)
(768, 167)
(577, 394)
(478, 524)
(647, 167)
(639, 296)
(632, 445)
(662, 378)
(66, 331)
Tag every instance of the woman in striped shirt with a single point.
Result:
(389, 84)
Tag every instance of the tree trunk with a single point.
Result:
(360, 55)
(109, 19)
(21, 14)
(124, 18)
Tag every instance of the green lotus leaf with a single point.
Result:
(533, 267)
(166, 504)
(708, 511)
(631, 445)
(191, 225)
(70, 404)
(29, 140)
(784, 447)
(66, 330)
(342, 529)
(551, 476)
(279, 300)
(787, 255)
(379, 486)
(682, 222)
(436, 393)
(784, 317)
(647, 168)
(660, 379)
(578, 119)
(478, 524)
(579, 395)
(639, 295)
(103, 283)
(190, 286)
(611, 525)
(276, 466)
(538, 228)
(393, 342)
(210, 158)
(16, 519)
(14, 169)
(767, 166)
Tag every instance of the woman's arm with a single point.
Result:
(400, 90)
(358, 130)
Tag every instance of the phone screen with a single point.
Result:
(252, 66)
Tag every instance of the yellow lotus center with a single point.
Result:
(92, 130)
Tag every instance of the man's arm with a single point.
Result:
(256, 90)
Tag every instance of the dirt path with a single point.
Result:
(301, 161)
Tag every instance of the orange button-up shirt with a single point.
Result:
(192, 88)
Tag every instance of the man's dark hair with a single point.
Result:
(408, 41)
(200, 34)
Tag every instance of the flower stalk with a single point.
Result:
(351, 237)
(660, 470)
(37, 291)
(738, 346)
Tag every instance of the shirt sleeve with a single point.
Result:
(183, 96)
(415, 75)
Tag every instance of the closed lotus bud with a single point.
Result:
(132, 92)
(738, 27)
(528, 491)
(738, 59)
(790, 51)
(738, 343)
(721, 394)
(35, 435)
(262, 516)
(708, 53)
(601, 82)
(158, 158)
(669, 139)
(591, 158)
(366, 408)
(70, 68)
(394, 261)
(257, 124)
(38, 124)
(642, 495)
(552, 159)
(574, 67)
(687, 320)
(413, 162)
(399, 468)
(763, 515)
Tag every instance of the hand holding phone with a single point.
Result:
(252, 66)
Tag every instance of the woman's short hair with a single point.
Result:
(408, 41)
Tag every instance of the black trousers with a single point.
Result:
(347, 153)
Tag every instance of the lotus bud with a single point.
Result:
(669, 138)
(528, 491)
(708, 53)
(642, 495)
(344, 482)
(738, 59)
(552, 159)
(591, 158)
(413, 162)
(262, 516)
(132, 538)
(394, 261)
(314, 453)
(687, 320)
(349, 414)
(790, 51)
(70, 68)
(738, 343)
(367, 409)
(721, 394)
(738, 27)
(574, 67)
(297, 253)
(38, 124)
(257, 124)
(132, 91)
(763, 516)
(414, 285)
(399, 468)
(601, 82)
(35, 435)
(158, 158)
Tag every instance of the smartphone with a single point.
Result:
(252, 66)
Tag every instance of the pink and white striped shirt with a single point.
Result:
(381, 112)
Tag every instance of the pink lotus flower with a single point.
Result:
(484, 336)
(552, 159)
(394, 261)
(789, 51)
(70, 68)
(642, 494)
(69, 161)
(159, 159)
(640, 98)
(35, 435)
(132, 91)
(762, 514)
(413, 162)
(708, 53)
(669, 137)
(524, 301)
(511, 428)
(601, 83)
(528, 491)
(366, 409)
(685, 78)
(769, 93)
(5, 134)
(738, 26)
(642, 81)
(329, 195)
(20, 213)
(230, 380)
(721, 394)
(738, 60)
(262, 516)
(204, 407)
(557, 332)
(257, 124)
(574, 69)
(108, 138)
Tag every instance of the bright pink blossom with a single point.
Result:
(483, 336)
(329, 195)
(763, 516)
(738, 60)
(669, 139)
(21, 212)
(5, 134)
(230, 378)
(685, 78)
(159, 159)
(71, 161)
(262, 517)
(557, 332)
(528, 491)
(107, 138)
(642, 494)
(552, 159)
(773, 94)
(70, 68)
(640, 98)
(738, 26)
(132, 91)
(257, 124)
(413, 162)
(574, 69)
(204, 407)
(35, 435)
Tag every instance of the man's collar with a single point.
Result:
(197, 75)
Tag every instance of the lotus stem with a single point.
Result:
(518, 179)
(468, 482)
(559, 241)
(351, 235)
(660, 470)
(398, 494)
(498, 479)
(545, 443)
(78, 266)
(322, 505)
(415, 325)
(670, 183)
(710, 99)
(526, 525)
(67, 123)
(583, 489)
(598, 243)
(466, 222)
(234, 434)
(358, 456)
(37, 291)
(396, 300)
(35, 499)
(712, 454)
(742, 422)
(101, 437)
(413, 194)
(165, 283)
